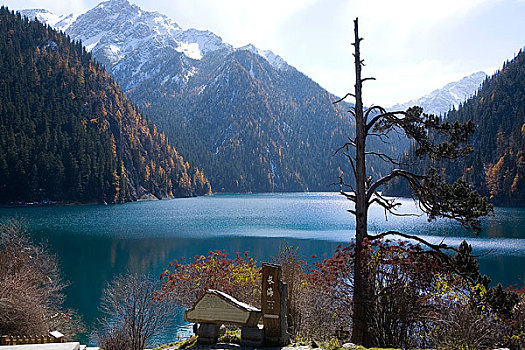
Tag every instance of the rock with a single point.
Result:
(208, 333)
(222, 330)
(148, 197)
(252, 336)
(348, 345)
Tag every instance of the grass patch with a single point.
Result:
(230, 337)
(359, 347)
(183, 344)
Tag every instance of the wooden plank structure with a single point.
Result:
(52, 337)
(216, 308)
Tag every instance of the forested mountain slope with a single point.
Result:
(497, 166)
(67, 132)
(251, 126)
(249, 119)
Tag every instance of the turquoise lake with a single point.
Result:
(94, 243)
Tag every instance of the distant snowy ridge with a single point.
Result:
(451, 95)
(60, 23)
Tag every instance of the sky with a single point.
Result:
(411, 47)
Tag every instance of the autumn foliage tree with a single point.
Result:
(187, 280)
(437, 198)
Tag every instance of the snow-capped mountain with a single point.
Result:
(451, 95)
(120, 34)
(247, 118)
(122, 28)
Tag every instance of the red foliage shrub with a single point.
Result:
(238, 276)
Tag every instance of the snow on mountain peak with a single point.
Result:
(196, 43)
(139, 45)
(116, 28)
(275, 61)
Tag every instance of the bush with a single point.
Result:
(31, 287)
(131, 315)
(329, 292)
(462, 327)
(230, 337)
(298, 298)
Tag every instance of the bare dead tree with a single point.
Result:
(435, 197)
(131, 315)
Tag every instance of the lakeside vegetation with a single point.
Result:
(419, 302)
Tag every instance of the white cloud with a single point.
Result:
(238, 22)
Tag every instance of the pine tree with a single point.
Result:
(435, 196)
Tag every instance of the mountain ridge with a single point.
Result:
(450, 96)
(192, 42)
(251, 121)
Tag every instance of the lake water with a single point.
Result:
(94, 243)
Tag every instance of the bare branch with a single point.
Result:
(343, 147)
(350, 143)
(385, 157)
(372, 108)
(436, 247)
(384, 115)
(381, 136)
(390, 206)
(385, 204)
(395, 173)
(342, 99)
(348, 196)
(343, 184)
(352, 162)
(365, 79)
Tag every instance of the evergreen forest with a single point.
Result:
(496, 167)
(67, 132)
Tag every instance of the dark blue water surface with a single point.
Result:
(94, 243)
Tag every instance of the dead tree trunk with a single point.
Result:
(435, 196)
(362, 283)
